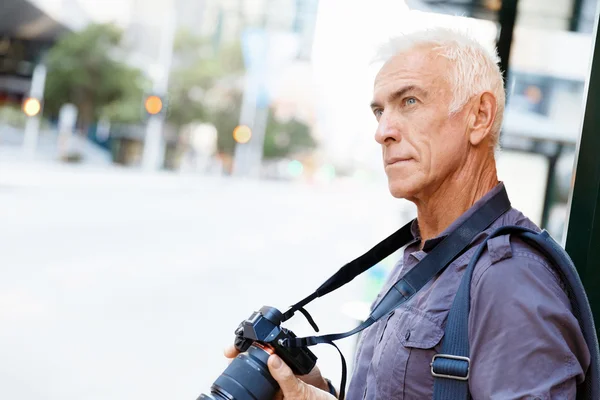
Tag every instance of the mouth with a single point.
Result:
(397, 161)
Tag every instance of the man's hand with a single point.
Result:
(293, 388)
(313, 378)
(231, 352)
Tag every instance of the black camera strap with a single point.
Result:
(356, 267)
(430, 266)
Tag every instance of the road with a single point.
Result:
(122, 285)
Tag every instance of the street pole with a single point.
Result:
(153, 155)
(247, 160)
(248, 156)
(254, 113)
(255, 44)
(507, 17)
(32, 125)
(261, 66)
(583, 225)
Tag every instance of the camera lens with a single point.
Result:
(246, 378)
(208, 397)
(215, 396)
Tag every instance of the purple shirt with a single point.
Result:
(525, 342)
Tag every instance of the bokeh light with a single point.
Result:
(242, 134)
(31, 107)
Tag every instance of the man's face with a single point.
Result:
(422, 144)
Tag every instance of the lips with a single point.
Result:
(396, 160)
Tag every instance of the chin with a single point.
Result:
(402, 189)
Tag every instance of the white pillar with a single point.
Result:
(32, 126)
(153, 156)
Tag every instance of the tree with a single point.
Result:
(83, 69)
(283, 138)
(225, 119)
(206, 85)
(203, 81)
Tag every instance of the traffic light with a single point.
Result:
(153, 104)
(32, 106)
(242, 134)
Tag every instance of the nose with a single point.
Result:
(388, 130)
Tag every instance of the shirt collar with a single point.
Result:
(431, 243)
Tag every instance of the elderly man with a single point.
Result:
(439, 100)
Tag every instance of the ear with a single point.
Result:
(483, 114)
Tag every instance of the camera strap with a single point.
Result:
(430, 266)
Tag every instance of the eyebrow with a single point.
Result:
(399, 94)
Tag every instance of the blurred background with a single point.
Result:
(167, 167)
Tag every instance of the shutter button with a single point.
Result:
(407, 336)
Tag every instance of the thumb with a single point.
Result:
(292, 387)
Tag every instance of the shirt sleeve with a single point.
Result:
(525, 342)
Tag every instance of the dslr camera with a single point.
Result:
(248, 377)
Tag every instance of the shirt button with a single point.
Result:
(407, 335)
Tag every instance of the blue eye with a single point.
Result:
(378, 112)
(410, 101)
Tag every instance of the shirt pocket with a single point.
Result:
(420, 337)
(404, 348)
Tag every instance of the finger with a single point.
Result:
(231, 352)
(292, 387)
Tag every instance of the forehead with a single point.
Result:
(422, 67)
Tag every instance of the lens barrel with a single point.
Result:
(246, 378)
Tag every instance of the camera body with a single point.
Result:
(248, 377)
(264, 327)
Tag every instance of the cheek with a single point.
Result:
(446, 155)
(425, 154)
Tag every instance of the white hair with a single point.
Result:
(474, 68)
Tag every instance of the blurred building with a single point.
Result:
(190, 15)
(143, 33)
(27, 31)
(573, 15)
(71, 13)
(224, 20)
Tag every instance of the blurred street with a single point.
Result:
(122, 285)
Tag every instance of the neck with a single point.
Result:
(454, 197)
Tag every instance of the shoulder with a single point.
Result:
(513, 270)
(514, 217)
(521, 326)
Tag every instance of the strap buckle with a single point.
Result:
(453, 368)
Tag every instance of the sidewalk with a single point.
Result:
(11, 141)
